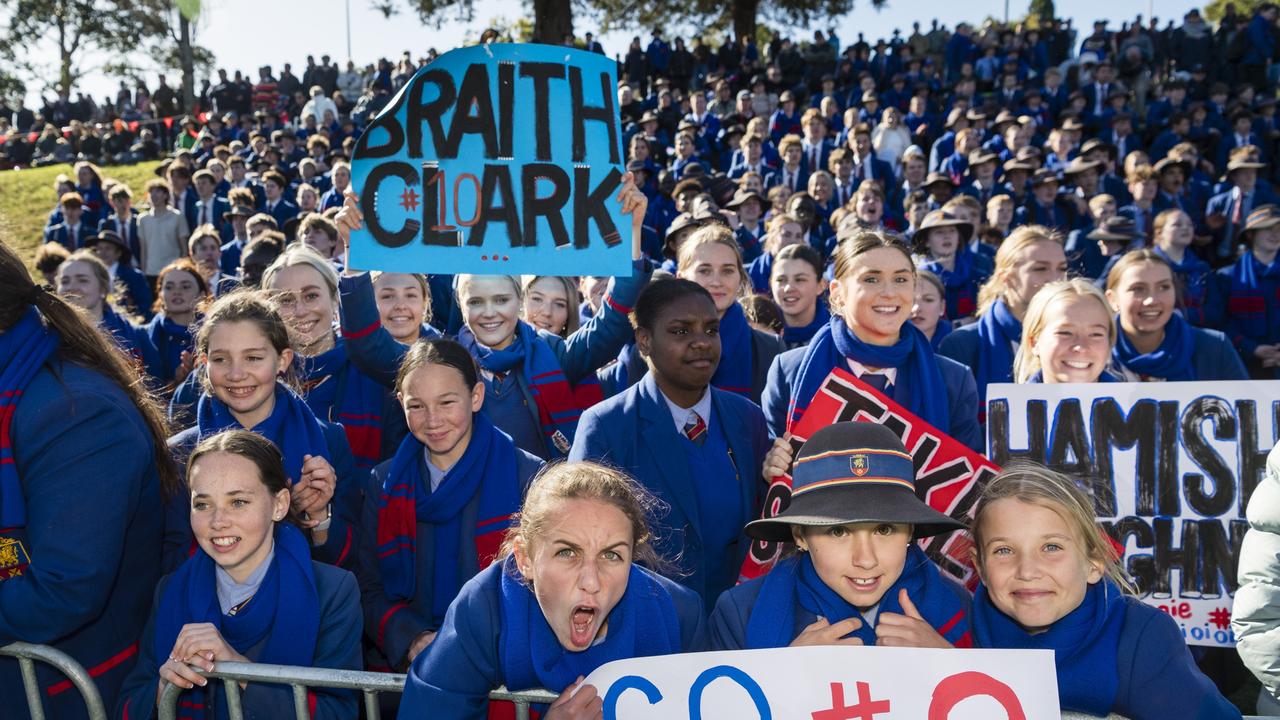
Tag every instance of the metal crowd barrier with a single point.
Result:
(370, 684)
(27, 656)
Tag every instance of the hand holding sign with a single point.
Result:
(821, 632)
(909, 629)
(577, 702)
(499, 159)
(630, 198)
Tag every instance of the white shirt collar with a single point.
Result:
(859, 370)
(680, 415)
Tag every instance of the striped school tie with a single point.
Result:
(695, 429)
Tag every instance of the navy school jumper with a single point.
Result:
(337, 646)
(339, 547)
(86, 462)
(454, 676)
(634, 431)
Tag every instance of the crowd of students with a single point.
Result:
(488, 480)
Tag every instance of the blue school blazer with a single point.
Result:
(962, 397)
(337, 647)
(452, 678)
(1213, 357)
(93, 544)
(338, 549)
(392, 624)
(634, 431)
(727, 628)
(1158, 677)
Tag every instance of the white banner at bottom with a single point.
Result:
(833, 683)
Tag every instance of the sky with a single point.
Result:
(228, 28)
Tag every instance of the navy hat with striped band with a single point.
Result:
(853, 472)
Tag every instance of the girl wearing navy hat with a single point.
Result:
(1068, 335)
(1029, 258)
(536, 383)
(1251, 289)
(568, 595)
(249, 593)
(869, 335)
(711, 258)
(1051, 581)
(1155, 342)
(799, 288)
(305, 286)
(859, 577)
(244, 346)
(942, 243)
(83, 466)
(695, 446)
(436, 512)
(182, 292)
(86, 283)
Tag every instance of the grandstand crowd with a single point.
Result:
(457, 476)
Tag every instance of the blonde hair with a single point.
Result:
(1035, 484)
(300, 254)
(559, 483)
(1007, 256)
(712, 235)
(1027, 363)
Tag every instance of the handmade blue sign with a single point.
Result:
(502, 159)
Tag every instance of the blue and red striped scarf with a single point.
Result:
(919, 387)
(24, 348)
(1194, 274)
(733, 374)
(795, 581)
(961, 283)
(291, 426)
(559, 403)
(284, 612)
(487, 469)
(337, 391)
(1253, 288)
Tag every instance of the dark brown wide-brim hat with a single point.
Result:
(110, 236)
(937, 178)
(942, 218)
(1262, 218)
(853, 472)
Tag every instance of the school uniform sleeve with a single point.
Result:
(599, 340)
(728, 624)
(369, 344)
(689, 611)
(1224, 362)
(591, 440)
(337, 547)
(1243, 342)
(176, 542)
(777, 390)
(67, 445)
(962, 392)
(453, 676)
(390, 624)
(337, 647)
(138, 693)
(1163, 680)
